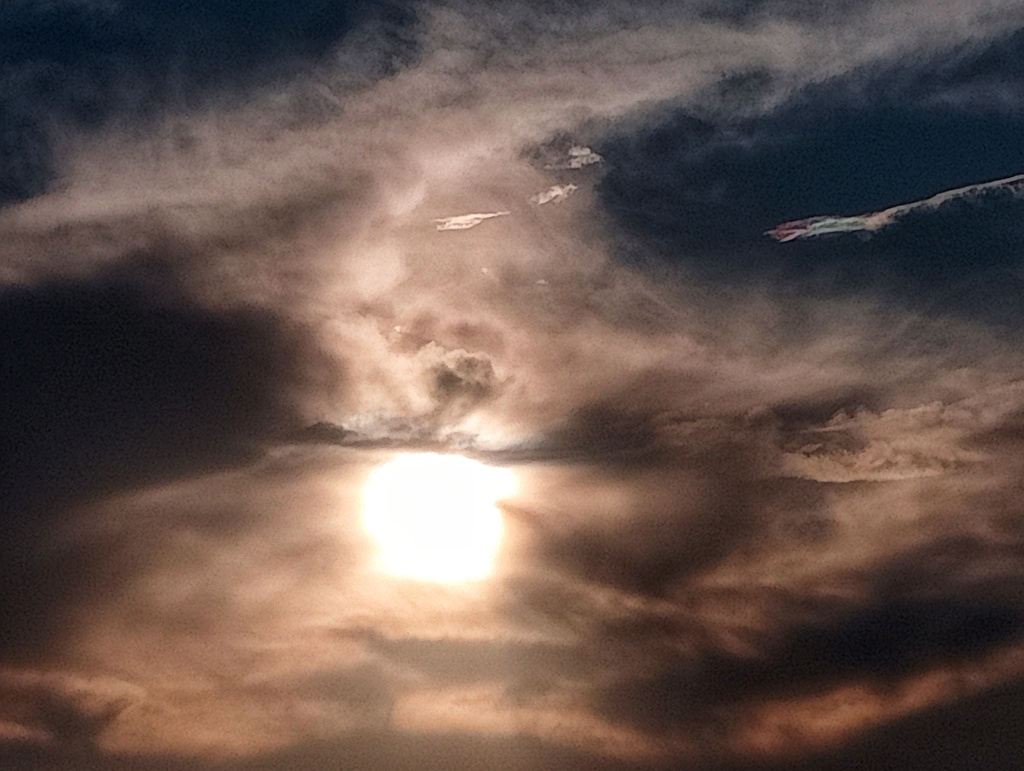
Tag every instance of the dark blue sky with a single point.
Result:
(702, 187)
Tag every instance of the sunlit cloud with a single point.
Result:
(554, 194)
(868, 223)
(467, 221)
(577, 157)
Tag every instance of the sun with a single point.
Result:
(435, 517)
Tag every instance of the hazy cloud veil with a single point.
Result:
(769, 508)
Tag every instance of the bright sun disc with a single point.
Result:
(435, 517)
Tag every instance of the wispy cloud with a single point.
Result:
(868, 223)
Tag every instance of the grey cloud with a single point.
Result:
(362, 695)
(361, 751)
(110, 386)
(677, 524)
(947, 737)
(606, 433)
(98, 370)
(626, 500)
(456, 381)
(26, 163)
(462, 380)
(69, 725)
(69, 713)
(931, 609)
(877, 646)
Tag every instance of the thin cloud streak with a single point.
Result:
(868, 223)
(467, 221)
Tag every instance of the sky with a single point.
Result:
(766, 510)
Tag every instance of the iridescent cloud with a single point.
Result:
(811, 227)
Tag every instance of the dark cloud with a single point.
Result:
(71, 725)
(364, 689)
(26, 162)
(816, 410)
(926, 610)
(608, 433)
(676, 524)
(108, 385)
(65, 715)
(462, 381)
(971, 733)
(648, 499)
(745, 11)
(974, 732)
(879, 647)
(950, 564)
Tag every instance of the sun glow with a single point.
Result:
(435, 517)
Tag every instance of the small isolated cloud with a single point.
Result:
(466, 221)
(461, 379)
(576, 157)
(554, 194)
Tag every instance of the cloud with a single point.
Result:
(554, 194)
(467, 221)
(577, 157)
(71, 712)
(364, 750)
(109, 385)
(25, 157)
(84, 66)
(947, 736)
(881, 644)
(868, 223)
(754, 481)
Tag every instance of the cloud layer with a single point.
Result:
(768, 508)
